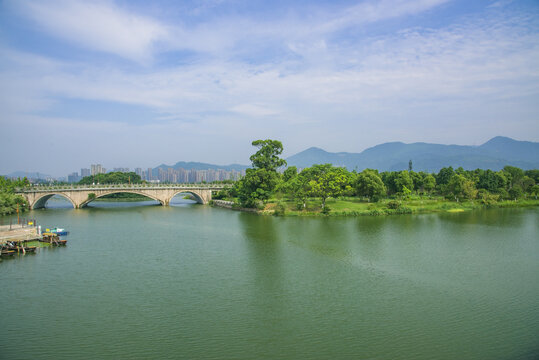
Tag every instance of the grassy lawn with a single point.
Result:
(358, 207)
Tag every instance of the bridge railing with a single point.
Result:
(42, 188)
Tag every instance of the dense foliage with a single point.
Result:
(260, 181)
(263, 182)
(112, 178)
(9, 201)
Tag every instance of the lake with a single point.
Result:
(194, 282)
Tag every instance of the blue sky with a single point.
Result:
(138, 83)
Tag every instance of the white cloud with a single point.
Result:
(253, 110)
(98, 25)
(477, 77)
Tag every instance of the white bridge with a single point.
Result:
(81, 195)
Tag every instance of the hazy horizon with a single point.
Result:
(138, 84)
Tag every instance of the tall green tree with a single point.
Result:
(444, 175)
(461, 187)
(267, 156)
(256, 187)
(492, 181)
(298, 188)
(260, 182)
(370, 185)
(404, 183)
(516, 175)
(329, 182)
(429, 183)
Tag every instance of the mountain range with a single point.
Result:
(393, 156)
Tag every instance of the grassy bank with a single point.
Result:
(358, 207)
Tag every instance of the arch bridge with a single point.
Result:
(81, 195)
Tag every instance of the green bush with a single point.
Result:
(376, 212)
(393, 204)
(280, 209)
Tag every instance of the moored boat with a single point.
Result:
(58, 231)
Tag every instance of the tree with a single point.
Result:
(403, 182)
(116, 177)
(534, 191)
(429, 183)
(369, 184)
(516, 192)
(417, 179)
(259, 183)
(534, 174)
(267, 157)
(516, 175)
(527, 183)
(290, 173)
(256, 187)
(298, 188)
(492, 181)
(461, 187)
(329, 182)
(444, 175)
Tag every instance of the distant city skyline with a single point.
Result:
(137, 83)
(171, 175)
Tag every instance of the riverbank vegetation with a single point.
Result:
(9, 201)
(325, 189)
(115, 177)
(129, 197)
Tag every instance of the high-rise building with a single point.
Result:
(85, 172)
(73, 178)
(97, 169)
(120, 169)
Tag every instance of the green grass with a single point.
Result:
(413, 205)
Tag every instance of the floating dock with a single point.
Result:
(14, 239)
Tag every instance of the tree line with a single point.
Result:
(9, 201)
(116, 177)
(264, 180)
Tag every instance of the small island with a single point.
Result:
(270, 188)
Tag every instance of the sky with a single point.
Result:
(141, 83)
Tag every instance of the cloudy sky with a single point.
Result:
(138, 83)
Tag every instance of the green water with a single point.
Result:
(195, 282)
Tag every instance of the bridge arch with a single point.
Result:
(41, 200)
(196, 195)
(119, 191)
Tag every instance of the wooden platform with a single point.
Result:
(18, 233)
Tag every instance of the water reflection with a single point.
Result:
(264, 251)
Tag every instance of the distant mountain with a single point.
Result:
(29, 175)
(494, 154)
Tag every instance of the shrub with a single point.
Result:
(393, 204)
(376, 212)
(280, 209)
(403, 210)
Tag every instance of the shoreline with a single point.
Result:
(379, 210)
